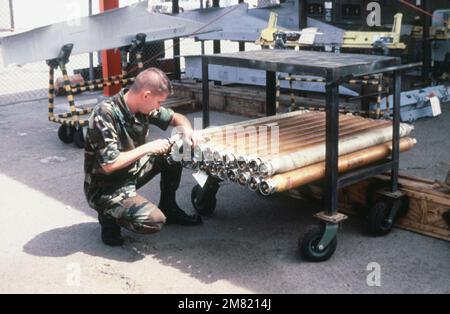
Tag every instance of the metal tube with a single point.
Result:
(295, 140)
(244, 178)
(291, 138)
(244, 144)
(316, 153)
(294, 126)
(256, 122)
(253, 183)
(232, 174)
(305, 175)
(284, 126)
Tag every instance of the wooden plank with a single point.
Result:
(175, 102)
(426, 204)
(425, 209)
(430, 189)
(258, 94)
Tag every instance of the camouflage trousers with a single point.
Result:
(138, 214)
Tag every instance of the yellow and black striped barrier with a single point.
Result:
(292, 78)
(364, 82)
(71, 124)
(72, 118)
(97, 84)
(372, 80)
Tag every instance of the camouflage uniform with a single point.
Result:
(113, 129)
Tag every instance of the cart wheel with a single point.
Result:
(66, 133)
(308, 245)
(78, 138)
(208, 203)
(378, 220)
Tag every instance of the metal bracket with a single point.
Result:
(53, 63)
(63, 57)
(397, 202)
(394, 195)
(64, 54)
(328, 235)
(334, 219)
(137, 45)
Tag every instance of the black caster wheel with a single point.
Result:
(203, 204)
(78, 138)
(308, 245)
(446, 217)
(66, 133)
(379, 218)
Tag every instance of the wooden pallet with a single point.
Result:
(177, 102)
(222, 97)
(428, 200)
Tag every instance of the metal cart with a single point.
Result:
(72, 123)
(319, 242)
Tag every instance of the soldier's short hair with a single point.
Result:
(154, 80)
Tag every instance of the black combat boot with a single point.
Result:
(170, 180)
(110, 231)
(174, 214)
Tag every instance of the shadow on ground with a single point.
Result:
(249, 240)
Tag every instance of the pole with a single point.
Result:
(302, 16)
(111, 58)
(426, 43)
(331, 151)
(202, 43)
(176, 45)
(205, 94)
(11, 15)
(270, 93)
(216, 43)
(396, 130)
(91, 54)
(241, 43)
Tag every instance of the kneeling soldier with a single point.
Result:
(118, 161)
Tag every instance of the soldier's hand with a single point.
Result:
(193, 138)
(158, 147)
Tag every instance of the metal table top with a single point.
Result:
(324, 64)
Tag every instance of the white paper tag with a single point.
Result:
(200, 177)
(308, 36)
(435, 106)
(328, 5)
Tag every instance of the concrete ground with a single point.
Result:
(50, 238)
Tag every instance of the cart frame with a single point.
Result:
(335, 69)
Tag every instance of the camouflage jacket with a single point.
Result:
(113, 129)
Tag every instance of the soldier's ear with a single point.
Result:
(147, 94)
